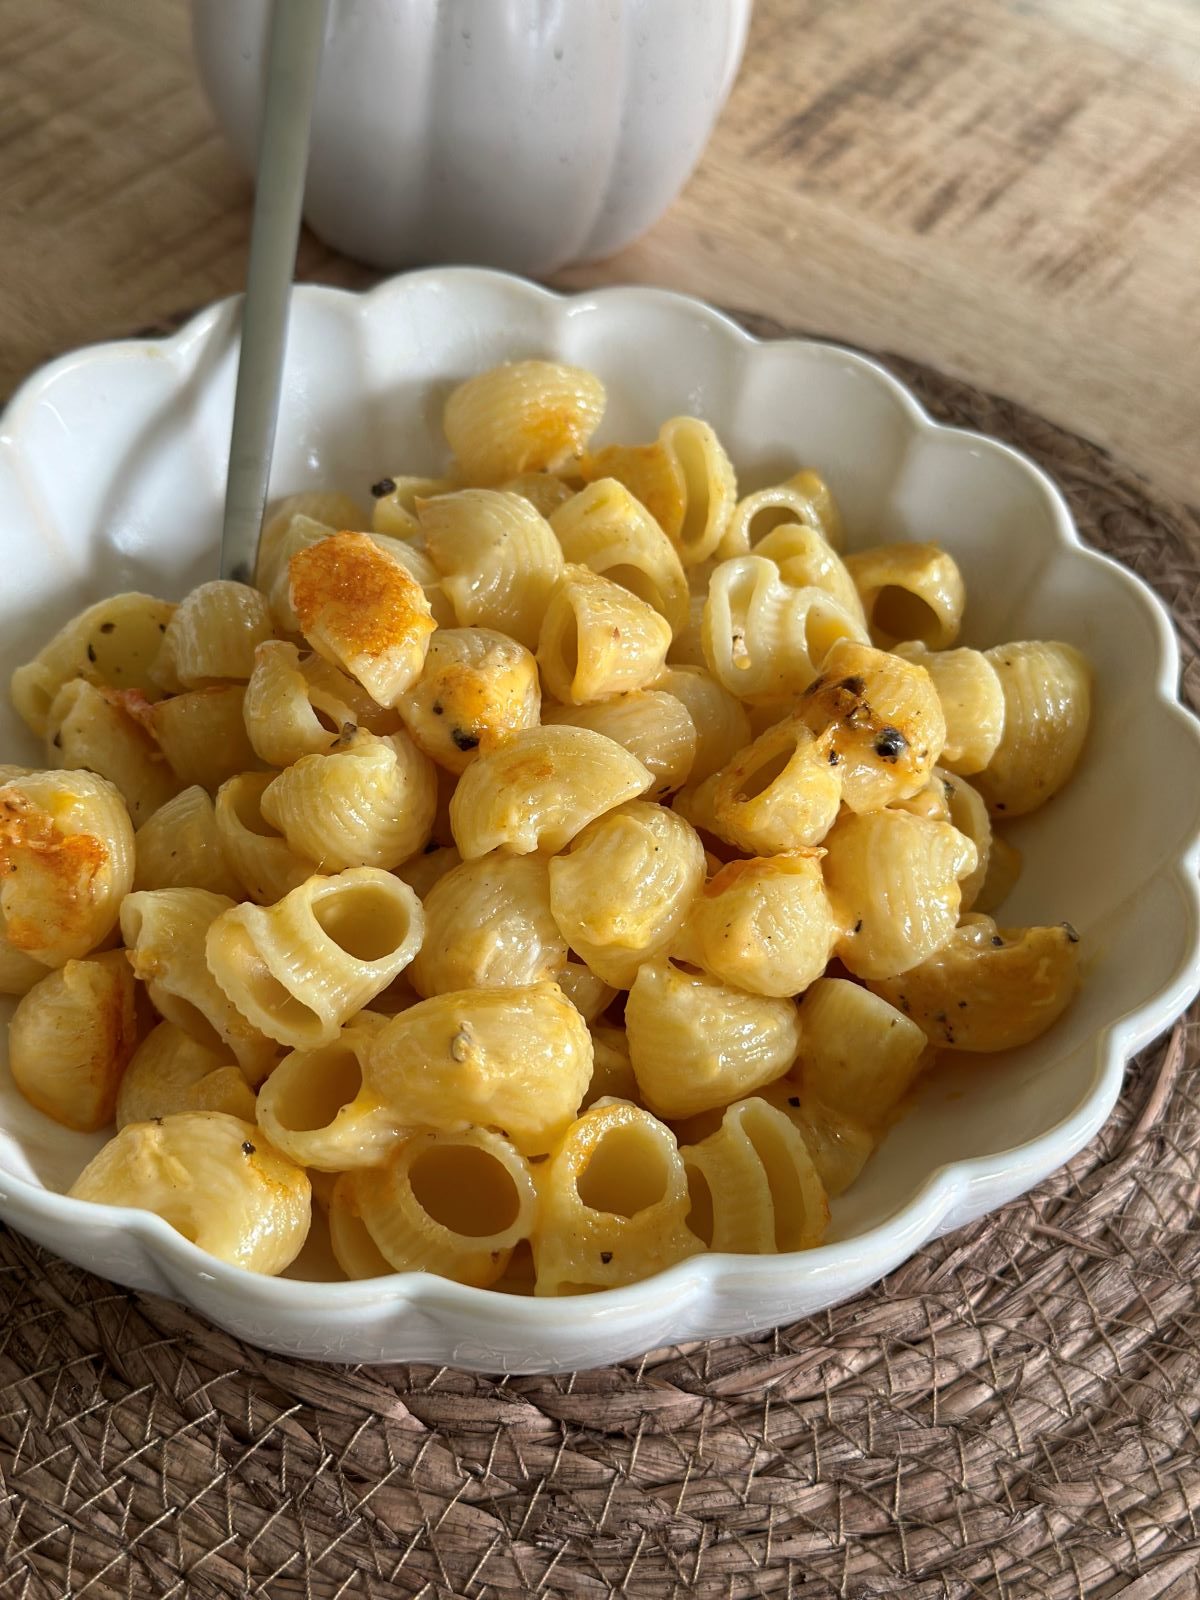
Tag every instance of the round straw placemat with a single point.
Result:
(1012, 1413)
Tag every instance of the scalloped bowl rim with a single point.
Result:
(875, 1250)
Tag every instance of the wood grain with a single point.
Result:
(1009, 189)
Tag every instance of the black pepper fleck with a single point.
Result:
(793, 1099)
(465, 740)
(962, 1005)
(834, 758)
(107, 627)
(162, 627)
(997, 940)
(437, 708)
(384, 486)
(606, 1256)
(890, 744)
(247, 1148)
(857, 926)
(91, 652)
(1000, 806)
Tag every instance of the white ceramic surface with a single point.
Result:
(520, 133)
(111, 469)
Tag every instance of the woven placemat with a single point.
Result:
(1013, 1413)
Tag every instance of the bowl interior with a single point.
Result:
(111, 477)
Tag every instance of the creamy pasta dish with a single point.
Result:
(566, 866)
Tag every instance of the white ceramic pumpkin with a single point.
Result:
(521, 133)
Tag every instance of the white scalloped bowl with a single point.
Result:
(111, 477)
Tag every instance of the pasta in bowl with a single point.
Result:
(607, 881)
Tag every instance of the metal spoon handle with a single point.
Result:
(297, 35)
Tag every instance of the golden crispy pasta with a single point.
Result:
(909, 591)
(540, 788)
(452, 1203)
(990, 988)
(498, 558)
(764, 925)
(329, 510)
(214, 1179)
(623, 890)
(605, 528)
(753, 1186)
(804, 501)
(170, 1071)
(361, 610)
(264, 863)
(114, 642)
(613, 1202)
(652, 725)
(315, 1109)
(477, 687)
(764, 640)
(71, 1037)
(165, 932)
(300, 969)
(66, 861)
(894, 882)
(488, 925)
(89, 727)
(180, 848)
(685, 481)
(518, 1059)
(525, 416)
(367, 804)
(696, 1043)
(782, 792)
(972, 703)
(1047, 706)
(597, 639)
(213, 635)
(884, 720)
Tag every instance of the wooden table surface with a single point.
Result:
(1008, 189)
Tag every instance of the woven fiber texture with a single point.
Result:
(1013, 1413)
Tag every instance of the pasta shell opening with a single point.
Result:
(245, 794)
(900, 614)
(701, 1219)
(627, 1173)
(638, 583)
(465, 1189)
(365, 920)
(760, 779)
(308, 1091)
